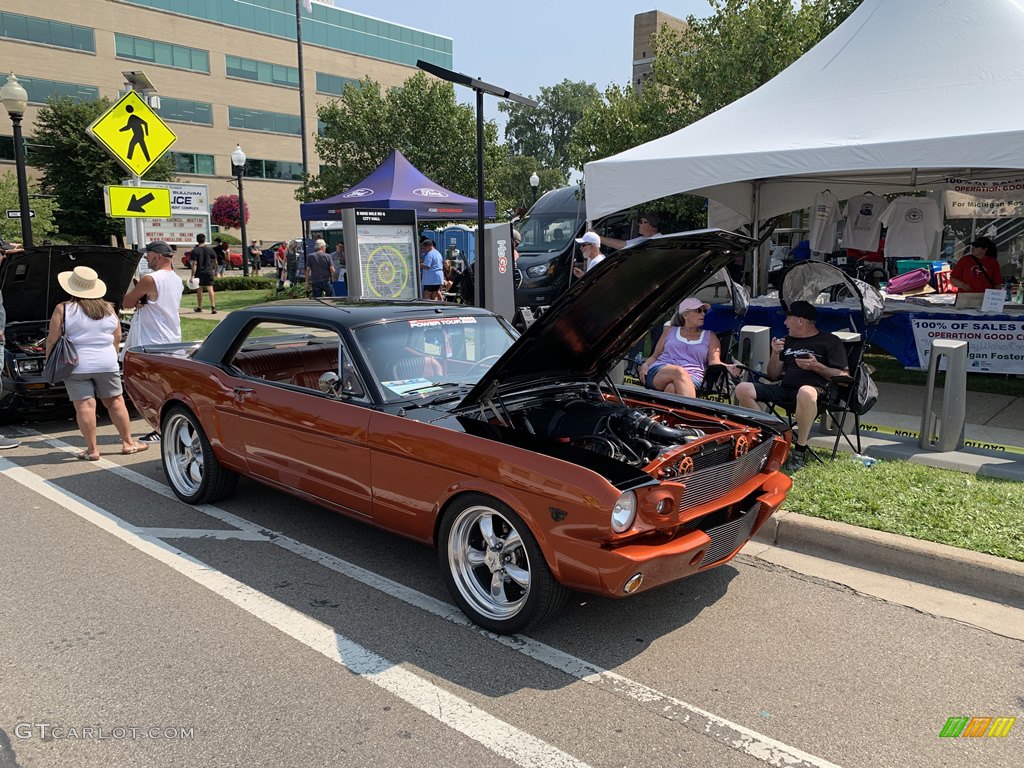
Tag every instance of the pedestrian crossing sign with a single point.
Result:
(133, 133)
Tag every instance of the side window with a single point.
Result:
(617, 225)
(298, 356)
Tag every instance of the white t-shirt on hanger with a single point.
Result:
(913, 226)
(823, 222)
(863, 222)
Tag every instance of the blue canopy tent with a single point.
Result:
(397, 183)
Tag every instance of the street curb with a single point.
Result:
(991, 578)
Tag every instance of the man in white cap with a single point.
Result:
(156, 299)
(590, 247)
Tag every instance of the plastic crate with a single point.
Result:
(907, 265)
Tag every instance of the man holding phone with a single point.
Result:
(803, 363)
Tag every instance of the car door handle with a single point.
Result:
(243, 392)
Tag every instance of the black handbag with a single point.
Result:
(62, 358)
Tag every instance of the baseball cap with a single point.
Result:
(159, 246)
(590, 237)
(688, 305)
(803, 309)
(987, 244)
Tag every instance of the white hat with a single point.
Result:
(83, 283)
(590, 237)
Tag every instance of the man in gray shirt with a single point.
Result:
(5, 442)
(320, 272)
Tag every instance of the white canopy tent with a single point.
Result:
(900, 96)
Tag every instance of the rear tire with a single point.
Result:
(194, 474)
(494, 568)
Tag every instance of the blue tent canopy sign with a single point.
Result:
(397, 183)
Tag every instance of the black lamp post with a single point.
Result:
(238, 163)
(534, 183)
(15, 99)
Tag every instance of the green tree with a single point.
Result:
(545, 132)
(43, 225)
(512, 182)
(75, 168)
(421, 118)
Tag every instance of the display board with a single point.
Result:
(384, 245)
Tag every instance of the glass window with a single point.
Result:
(186, 162)
(40, 91)
(186, 110)
(259, 120)
(261, 71)
(165, 54)
(35, 30)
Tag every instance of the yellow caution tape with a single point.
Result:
(882, 429)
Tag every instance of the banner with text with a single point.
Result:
(996, 346)
(967, 199)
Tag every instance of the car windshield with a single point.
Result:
(546, 232)
(427, 356)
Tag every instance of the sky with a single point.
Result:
(526, 44)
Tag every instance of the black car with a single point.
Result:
(28, 280)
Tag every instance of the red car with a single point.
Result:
(234, 259)
(518, 459)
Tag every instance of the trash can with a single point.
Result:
(942, 428)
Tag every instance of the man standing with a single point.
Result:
(203, 263)
(221, 249)
(255, 257)
(338, 258)
(803, 362)
(5, 248)
(431, 270)
(320, 272)
(590, 247)
(156, 299)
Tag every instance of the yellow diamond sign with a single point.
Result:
(133, 133)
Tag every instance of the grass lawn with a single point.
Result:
(979, 513)
(226, 300)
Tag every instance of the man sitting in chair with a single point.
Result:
(803, 363)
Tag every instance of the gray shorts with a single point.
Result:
(82, 386)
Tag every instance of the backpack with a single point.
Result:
(866, 396)
(910, 281)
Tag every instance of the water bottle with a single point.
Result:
(867, 461)
(759, 368)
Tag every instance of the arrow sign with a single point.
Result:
(133, 202)
(14, 213)
(138, 204)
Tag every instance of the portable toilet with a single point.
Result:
(459, 244)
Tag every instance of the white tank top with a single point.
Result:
(158, 319)
(93, 339)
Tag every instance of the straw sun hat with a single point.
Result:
(83, 283)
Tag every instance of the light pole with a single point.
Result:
(15, 99)
(534, 183)
(238, 163)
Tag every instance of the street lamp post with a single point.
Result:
(15, 99)
(238, 163)
(534, 183)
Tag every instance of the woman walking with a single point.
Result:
(93, 326)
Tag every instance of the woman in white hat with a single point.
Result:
(93, 326)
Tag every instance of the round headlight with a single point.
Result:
(624, 512)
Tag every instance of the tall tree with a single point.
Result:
(545, 132)
(43, 225)
(75, 168)
(421, 118)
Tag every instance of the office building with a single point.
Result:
(644, 26)
(225, 72)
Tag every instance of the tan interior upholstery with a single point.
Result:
(301, 366)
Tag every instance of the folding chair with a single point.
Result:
(840, 399)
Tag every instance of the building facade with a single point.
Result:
(644, 26)
(225, 72)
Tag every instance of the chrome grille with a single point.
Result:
(705, 485)
(725, 538)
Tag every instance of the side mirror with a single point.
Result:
(329, 383)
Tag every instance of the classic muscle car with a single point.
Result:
(28, 281)
(519, 459)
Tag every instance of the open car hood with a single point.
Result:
(28, 279)
(594, 323)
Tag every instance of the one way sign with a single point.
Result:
(137, 202)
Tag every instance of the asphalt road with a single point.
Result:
(138, 631)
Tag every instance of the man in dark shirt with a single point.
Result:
(803, 363)
(320, 272)
(203, 263)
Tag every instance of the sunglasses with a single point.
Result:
(702, 310)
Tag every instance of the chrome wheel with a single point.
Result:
(489, 563)
(183, 455)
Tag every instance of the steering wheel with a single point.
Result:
(477, 364)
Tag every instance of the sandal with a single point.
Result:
(85, 456)
(137, 448)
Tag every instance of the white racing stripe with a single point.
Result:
(750, 742)
(496, 735)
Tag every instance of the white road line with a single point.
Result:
(770, 751)
(496, 735)
(196, 533)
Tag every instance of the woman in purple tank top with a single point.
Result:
(684, 350)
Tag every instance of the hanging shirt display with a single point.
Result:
(823, 222)
(913, 226)
(863, 222)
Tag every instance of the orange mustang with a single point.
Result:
(517, 458)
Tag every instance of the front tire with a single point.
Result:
(494, 567)
(195, 475)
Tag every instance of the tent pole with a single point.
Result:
(757, 280)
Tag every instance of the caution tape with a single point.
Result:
(883, 429)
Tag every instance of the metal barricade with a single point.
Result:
(943, 429)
